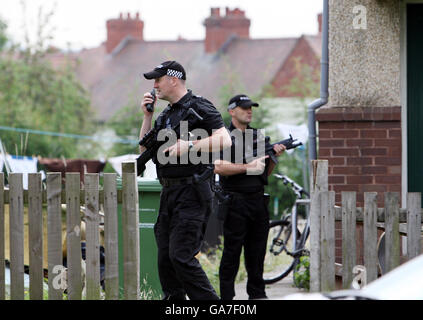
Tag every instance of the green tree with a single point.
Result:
(127, 123)
(35, 95)
(3, 37)
(304, 85)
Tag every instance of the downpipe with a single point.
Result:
(324, 85)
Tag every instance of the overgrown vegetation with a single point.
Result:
(210, 263)
(34, 95)
(302, 273)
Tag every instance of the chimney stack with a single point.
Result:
(220, 28)
(118, 29)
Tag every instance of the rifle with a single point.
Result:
(152, 145)
(289, 143)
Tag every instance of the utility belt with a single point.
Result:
(206, 175)
(169, 182)
(203, 190)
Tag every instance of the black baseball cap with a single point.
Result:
(241, 100)
(170, 68)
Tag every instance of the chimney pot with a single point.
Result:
(215, 12)
(118, 29)
(220, 28)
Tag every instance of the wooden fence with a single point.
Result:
(324, 213)
(74, 197)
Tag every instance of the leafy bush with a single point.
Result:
(302, 273)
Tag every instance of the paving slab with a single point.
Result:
(274, 291)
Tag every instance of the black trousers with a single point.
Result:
(246, 225)
(179, 231)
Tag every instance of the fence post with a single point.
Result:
(414, 224)
(392, 236)
(92, 221)
(35, 236)
(370, 235)
(348, 237)
(16, 232)
(2, 244)
(111, 237)
(327, 240)
(54, 235)
(130, 230)
(73, 238)
(318, 183)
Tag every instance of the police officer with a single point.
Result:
(185, 204)
(247, 222)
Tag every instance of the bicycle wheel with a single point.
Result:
(278, 262)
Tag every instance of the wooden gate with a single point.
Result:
(394, 221)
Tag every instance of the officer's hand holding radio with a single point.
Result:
(148, 103)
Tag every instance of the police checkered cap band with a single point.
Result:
(170, 68)
(174, 73)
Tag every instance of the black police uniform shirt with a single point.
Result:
(212, 120)
(242, 182)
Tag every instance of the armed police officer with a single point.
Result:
(185, 202)
(246, 223)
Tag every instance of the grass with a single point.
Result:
(274, 264)
(147, 292)
(210, 262)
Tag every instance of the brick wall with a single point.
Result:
(363, 147)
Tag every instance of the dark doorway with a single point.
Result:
(415, 97)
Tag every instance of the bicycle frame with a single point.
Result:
(299, 192)
(294, 222)
(286, 230)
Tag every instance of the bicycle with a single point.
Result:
(281, 245)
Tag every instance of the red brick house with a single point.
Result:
(228, 56)
(370, 130)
